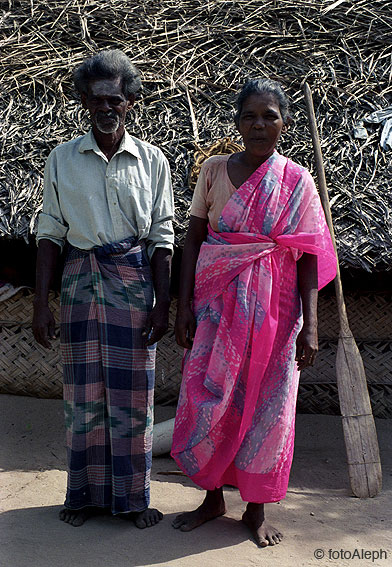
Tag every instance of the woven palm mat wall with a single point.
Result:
(28, 369)
(370, 317)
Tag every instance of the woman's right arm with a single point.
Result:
(185, 321)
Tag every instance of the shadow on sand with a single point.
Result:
(105, 541)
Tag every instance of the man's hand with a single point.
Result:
(158, 323)
(185, 327)
(43, 320)
(43, 325)
(306, 347)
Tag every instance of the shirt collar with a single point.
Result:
(127, 144)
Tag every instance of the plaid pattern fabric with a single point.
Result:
(106, 296)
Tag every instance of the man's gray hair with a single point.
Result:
(108, 64)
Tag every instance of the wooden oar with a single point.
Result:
(358, 424)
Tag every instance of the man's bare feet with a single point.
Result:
(144, 519)
(263, 533)
(149, 517)
(77, 518)
(212, 507)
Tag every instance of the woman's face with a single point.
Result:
(261, 124)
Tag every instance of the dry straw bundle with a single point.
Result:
(194, 55)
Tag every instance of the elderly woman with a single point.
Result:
(256, 253)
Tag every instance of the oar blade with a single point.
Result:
(351, 378)
(358, 424)
(364, 466)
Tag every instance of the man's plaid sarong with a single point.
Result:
(106, 296)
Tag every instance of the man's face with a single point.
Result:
(107, 105)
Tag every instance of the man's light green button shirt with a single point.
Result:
(91, 201)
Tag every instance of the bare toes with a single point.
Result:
(186, 527)
(261, 541)
(148, 518)
(72, 517)
(157, 517)
(78, 520)
(141, 524)
(178, 521)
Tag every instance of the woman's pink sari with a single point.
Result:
(236, 412)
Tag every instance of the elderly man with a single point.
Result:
(108, 198)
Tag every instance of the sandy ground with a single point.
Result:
(318, 516)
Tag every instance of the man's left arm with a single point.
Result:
(160, 248)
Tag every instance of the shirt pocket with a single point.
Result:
(136, 202)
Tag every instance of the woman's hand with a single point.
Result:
(185, 327)
(307, 342)
(306, 347)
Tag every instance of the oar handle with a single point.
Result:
(344, 326)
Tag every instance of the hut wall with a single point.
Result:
(193, 57)
(370, 316)
(26, 368)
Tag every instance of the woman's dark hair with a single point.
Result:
(108, 64)
(261, 86)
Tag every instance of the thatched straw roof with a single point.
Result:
(194, 54)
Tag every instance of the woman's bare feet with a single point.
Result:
(263, 533)
(212, 507)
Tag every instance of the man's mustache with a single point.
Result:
(110, 114)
